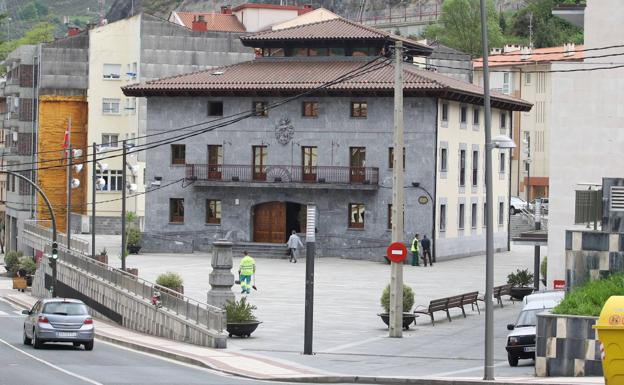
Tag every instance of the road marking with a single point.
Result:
(350, 345)
(446, 374)
(72, 374)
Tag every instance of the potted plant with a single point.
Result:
(408, 302)
(133, 240)
(520, 281)
(240, 318)
(171, 281)
(544, 270)
(28, 266)
(11, 261)
(103, 256)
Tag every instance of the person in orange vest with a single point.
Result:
(415, 251)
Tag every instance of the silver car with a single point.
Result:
(59, 320)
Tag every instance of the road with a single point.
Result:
(62, 364)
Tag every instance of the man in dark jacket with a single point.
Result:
(425, 243)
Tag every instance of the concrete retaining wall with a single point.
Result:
(567, 346)
(127, 309)
(592, 255)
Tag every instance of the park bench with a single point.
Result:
(498, 292)
(444, 304)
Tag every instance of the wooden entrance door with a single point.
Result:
(357, 162)
(260, 155)
(270, 222)
(308, 164)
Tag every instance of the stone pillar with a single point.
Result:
(221, 278)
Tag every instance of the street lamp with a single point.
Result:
(433, 237)
(98, 184)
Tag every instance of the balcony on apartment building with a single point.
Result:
(283, 176)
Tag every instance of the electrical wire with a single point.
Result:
(540, 53)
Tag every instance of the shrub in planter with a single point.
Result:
(28, 265)
(133, 240)
(544, 269)
(171, 281)
(241, 320)
(520, 281)
(12, 260)
(588, 300)
(408, 302)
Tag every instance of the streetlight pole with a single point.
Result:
(396, 278)
(489, 243)
(123, 207)
(433, 238)
(528, 160)
(93, 186)
(70, 164)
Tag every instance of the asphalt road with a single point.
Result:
(62, 364)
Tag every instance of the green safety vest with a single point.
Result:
(414, 245)
(247, 265)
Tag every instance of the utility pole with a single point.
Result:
(489, 198)
(528, 184)
(123, 207)
(70, 164)
(309, 286)
(93, 186)
(396, 279)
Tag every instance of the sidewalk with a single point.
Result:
(351, 343)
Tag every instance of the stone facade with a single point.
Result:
(592, 255)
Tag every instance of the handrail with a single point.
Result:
(201, 313)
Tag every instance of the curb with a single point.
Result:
(328, 379)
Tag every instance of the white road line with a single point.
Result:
(85, 379)
(350, 345)
(445, 374)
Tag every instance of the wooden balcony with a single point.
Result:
(279, 176)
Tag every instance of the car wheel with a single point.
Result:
(512, 210)
(76, 344)
(27, 341)
(513, 360)
(37, 343)
(89, 345)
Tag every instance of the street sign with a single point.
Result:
(396, 252)
(423, 200)
(559, 284)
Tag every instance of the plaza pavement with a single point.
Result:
(349, 337)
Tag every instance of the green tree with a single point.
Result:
(40, 33)
(460, 26)
(548, 30)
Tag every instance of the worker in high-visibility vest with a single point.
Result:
(414, 250)
(246, 269)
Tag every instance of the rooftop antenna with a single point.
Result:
(102, 4)
(531, 30)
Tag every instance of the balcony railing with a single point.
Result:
(283, 174)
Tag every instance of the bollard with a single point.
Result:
(221, 278)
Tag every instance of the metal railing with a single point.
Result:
(201, 313)
(416, 17)
(284, 174)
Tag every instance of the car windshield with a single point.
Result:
(65, 308)
(528, 317)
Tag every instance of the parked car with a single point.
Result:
(59, 320)
(546, 295)
(517, 204)
(521, 340)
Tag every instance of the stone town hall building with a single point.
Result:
(250, 181)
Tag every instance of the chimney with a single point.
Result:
(226, 10)
(306, 8)
(73, 31)
(525, 53)
(199, 23)
(496, 51)
(569, 49)
(511, 48)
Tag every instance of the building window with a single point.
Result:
(215, 108)
(502, 163)
(462, 168)
(260, 156)
(110, 106)
(309, 162)
(130, 106)
(113, 178)
(463, 114)
(391, 158)
(445, 112)
(178, 154)
(527, 79)
(443, 159)
(357, 164)
(475, 168)
(359, 109)
(390, 216)
(501, 213)
(473, 216)
(442, 217)
(112, 71)
(309, 109)
(476, 112)
(462, 215)
(260, 109)
(110, 140)
(503, 120)
(356, 215)
(213, 211)
(176, 210)
(484, 214)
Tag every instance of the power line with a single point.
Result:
(539, 53)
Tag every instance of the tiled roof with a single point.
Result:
(334, 29)
(537, 55)
(300, 10)
(216, 21)
(294, 76)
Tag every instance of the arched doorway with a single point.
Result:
(273, 221)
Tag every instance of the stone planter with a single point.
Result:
(132, 270)
(520, 292)
(567, 346)
(242, 329)
(133, 249)
(102, 258)
(408, 318)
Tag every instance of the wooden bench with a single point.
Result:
(498, 292)
(444, 304)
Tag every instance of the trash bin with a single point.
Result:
(610, 328)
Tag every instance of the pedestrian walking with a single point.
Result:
(414, 250)
(246, 269)
(425, 243)
(293, 243)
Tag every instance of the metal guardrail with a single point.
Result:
(418, 17)
(202, 314)
(43, 232)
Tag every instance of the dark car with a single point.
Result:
(59, 320)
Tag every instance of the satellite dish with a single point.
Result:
(100, 183)
(75, 183)
(78, 167)
(103, 166)
(77, 153)
(132, 187)
(134, 169)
